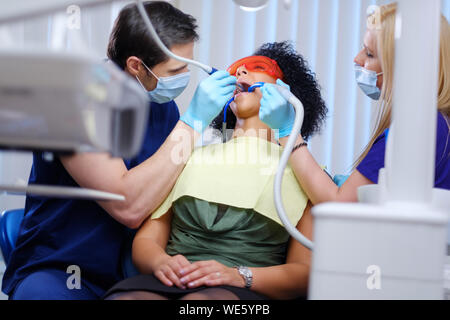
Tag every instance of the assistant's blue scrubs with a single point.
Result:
(374, 161)
(58, 233)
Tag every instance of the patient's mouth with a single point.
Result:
(241, 87)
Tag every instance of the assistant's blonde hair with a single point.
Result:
(383, 21)
(444, 69)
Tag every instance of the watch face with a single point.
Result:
(247, 274)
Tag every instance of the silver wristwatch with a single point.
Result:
(247, 274)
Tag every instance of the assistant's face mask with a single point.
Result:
(168, 88)
(367, 81)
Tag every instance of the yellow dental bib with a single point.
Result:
(239, 173)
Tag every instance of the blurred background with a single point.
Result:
(328, 33)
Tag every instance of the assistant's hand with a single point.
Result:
(211, 96)
(275, 111)
(168, 272)
(211, 273)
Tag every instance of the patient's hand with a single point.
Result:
(211, 274)
(169, 270)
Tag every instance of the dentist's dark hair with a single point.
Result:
(302, 82)
(130, 36)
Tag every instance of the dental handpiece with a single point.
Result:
(250, 89)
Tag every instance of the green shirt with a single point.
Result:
(232, 236)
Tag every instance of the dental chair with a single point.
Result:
(10, 221)
(128, 268)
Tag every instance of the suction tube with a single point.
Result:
(299, 116)
(161, 45)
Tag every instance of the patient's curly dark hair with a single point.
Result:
(302, 82)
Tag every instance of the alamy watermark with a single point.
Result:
(374, 17)
(74, 280)
(374, 280)
(73, 17)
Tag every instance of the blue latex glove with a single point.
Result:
(340, 179)
(275, 111)
(211, 96)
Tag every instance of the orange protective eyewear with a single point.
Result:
(257, 64)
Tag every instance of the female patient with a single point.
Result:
(217, 235)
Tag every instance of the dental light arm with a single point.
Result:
(162, 46)
(299, 115)
(96, 108)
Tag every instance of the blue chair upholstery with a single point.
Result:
(10, 221)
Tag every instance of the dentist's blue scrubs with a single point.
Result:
(57, 233)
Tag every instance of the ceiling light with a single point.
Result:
(251, 5)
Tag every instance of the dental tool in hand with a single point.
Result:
(241, 87)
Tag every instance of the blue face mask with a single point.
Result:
(168, 88)
(367, 81)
